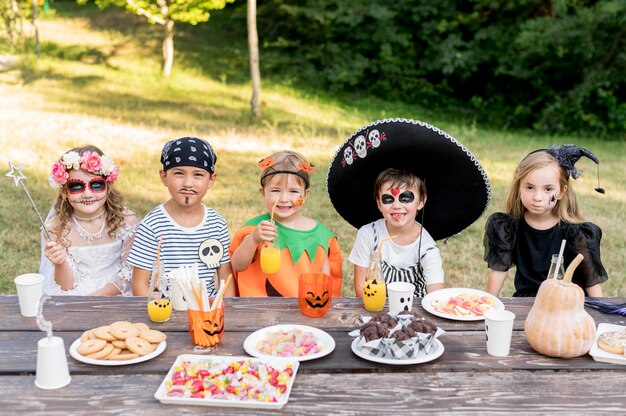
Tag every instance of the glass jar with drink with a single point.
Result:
(374, 289)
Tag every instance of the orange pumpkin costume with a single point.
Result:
(301, 252)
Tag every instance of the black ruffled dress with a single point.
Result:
(509, 241)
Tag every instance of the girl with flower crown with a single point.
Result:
(305, 245)
(90, 230)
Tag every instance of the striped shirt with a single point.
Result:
(206, 244)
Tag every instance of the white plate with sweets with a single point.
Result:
(228, 381)
(461, 304)
(298, 342)
(616, 342)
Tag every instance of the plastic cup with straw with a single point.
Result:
(270, 253)
(374, 289)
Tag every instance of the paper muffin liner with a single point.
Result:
(418, 346)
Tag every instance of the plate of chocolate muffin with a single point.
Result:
(405, 339)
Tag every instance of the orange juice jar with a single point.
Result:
(374, 289)
(159, 308)
(270, 258)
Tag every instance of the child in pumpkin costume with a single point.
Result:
(305, 245)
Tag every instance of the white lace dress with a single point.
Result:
(94, 266)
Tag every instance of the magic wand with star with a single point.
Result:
(19, 178)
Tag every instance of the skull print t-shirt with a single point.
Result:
(206, 244)
(418, 263)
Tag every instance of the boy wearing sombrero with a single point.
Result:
(383, 170)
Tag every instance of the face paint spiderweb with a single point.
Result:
(18, 178)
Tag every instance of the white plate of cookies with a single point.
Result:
(609, 345)
(120, 343)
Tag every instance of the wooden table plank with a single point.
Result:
(464, 352)
(242, 314)
(522, 392)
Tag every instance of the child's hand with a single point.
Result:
(55, 252)
(265, 231)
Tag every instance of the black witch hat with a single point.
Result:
(568, 154)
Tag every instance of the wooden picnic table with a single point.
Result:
(465, 379)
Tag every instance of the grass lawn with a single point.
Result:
(98, 81)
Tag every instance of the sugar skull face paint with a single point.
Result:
(401, 209)
(77, 186)
(405, 197)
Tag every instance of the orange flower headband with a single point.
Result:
(269, 161)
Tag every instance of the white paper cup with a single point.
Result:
(498, 329)
(29, 290)
(176, 296)
(52, 370)
(400, 296)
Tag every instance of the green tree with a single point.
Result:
(551, 65)
(166, 13)
(12, 15)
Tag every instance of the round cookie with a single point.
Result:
(121, 324)
(91, 346)
(153, 336)
(124, 355)
(138, 345)
(118, 343)
(88, 334)
(613, 342)
(104, 332)
(104, 352)
(113, 353)
(141, 326)
(123, 332)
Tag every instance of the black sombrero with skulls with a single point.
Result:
(458, 187)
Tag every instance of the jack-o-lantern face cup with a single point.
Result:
(206, 328)
(315, 291)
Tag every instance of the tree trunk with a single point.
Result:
(36, 25)
(168, 48)
(255, 72)
(11, 22)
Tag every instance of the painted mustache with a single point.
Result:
(191, 191)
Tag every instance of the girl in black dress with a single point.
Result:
(541, 211)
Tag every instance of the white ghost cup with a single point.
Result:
(400, 296)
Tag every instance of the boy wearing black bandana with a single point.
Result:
(183, 230)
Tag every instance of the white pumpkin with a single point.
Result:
(557, 324)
